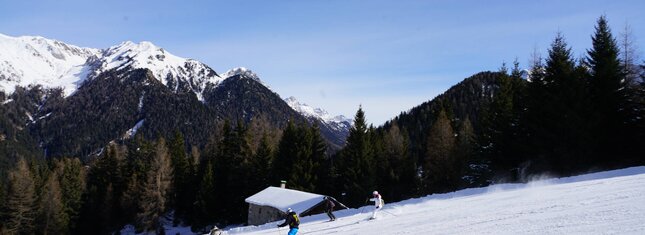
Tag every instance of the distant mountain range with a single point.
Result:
(73, 100)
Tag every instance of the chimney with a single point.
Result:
(283, 184)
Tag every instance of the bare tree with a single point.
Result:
(20, 205)
(629, 55)
(52, 218)
(157, 189)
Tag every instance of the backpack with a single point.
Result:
(296, 221)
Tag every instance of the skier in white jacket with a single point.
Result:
(378, 203)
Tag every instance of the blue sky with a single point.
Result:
(388, 56)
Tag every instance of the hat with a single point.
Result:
(289, 210)
(375, 192)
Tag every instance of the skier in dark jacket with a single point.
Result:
(329, 208)
(292, 220)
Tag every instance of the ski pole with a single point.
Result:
(390, 213)
(364, 203)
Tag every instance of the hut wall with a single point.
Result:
(263, 214)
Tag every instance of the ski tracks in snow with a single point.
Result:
(601, 203)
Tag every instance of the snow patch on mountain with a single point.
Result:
(318, 113)
(133, 131)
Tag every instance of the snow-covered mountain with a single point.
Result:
(336, 127)
(608, 202)
(108, 93)
(32, 60)
(177, 73)
(340, 122)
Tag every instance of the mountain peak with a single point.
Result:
(28, 60)
(291, 99)
(173, 71)
(242, 71)
(318, 113)
(141, 55)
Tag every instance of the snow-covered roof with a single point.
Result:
(282, 198)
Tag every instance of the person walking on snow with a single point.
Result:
(292, 220)
(329, 207)
(378, 203)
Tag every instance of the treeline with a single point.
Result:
(573, 116)
(565, 116)
(154, 183)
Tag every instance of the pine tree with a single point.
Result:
(560, 65)
(206, 203)
(401, 179)
(156, 189)
(385, 177)
(107, 214)
(357, 169)
(570, 146)
(262, 165)
(501, 135)
(52, 218)
(496, 123)
(130, 198)
(104, 188)
(321, 167)
(555, 119)
(609, 98)
(294, 160)
(232, 172)
(286, 154)
(536, 108)
(181, 199)
(301, 173)
(464, 152)
(3, 197)
(20, 206)
(72, 183)
(439, 164)
(639, 112)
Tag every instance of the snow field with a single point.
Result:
(611, 202)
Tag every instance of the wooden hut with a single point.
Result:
(271, 204)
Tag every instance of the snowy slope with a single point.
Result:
(611, 202)
(36, 60)
(339, 122)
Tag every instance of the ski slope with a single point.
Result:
(611, 202)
